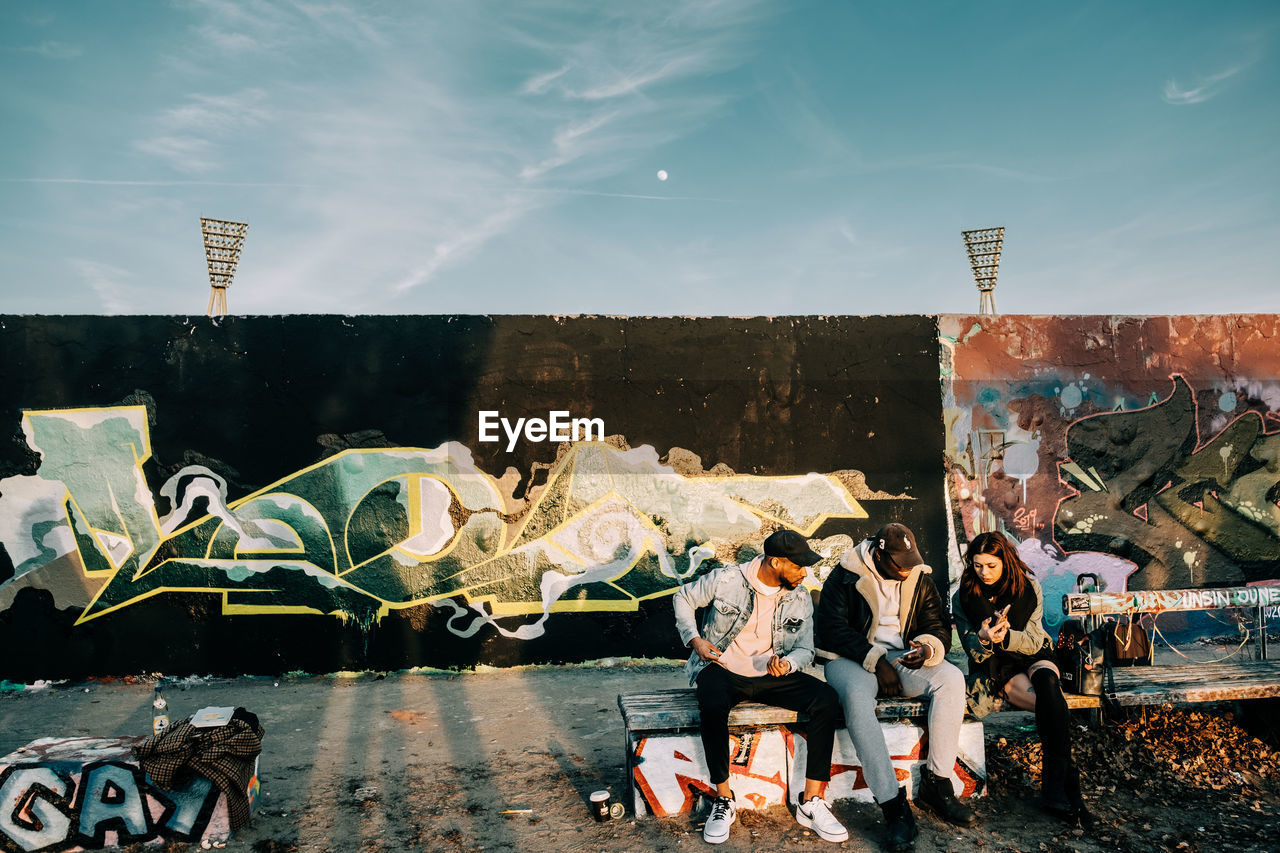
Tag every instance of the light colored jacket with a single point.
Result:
(729, 600)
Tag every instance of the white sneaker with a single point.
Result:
(723, 814)
(816, 815)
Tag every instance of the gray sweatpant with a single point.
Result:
(942, 684)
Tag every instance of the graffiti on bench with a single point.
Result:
(670, 769)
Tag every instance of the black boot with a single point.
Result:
(1082, 815)
(1053, 722)
(1053, 787)
(900, 824)
(937, 794)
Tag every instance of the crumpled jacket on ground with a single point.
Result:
(222, 754)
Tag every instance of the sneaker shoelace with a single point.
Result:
(720, 809)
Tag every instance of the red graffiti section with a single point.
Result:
(767, 767)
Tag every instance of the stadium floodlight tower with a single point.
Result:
(222, 243)
(983, 246)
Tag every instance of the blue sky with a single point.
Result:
(503, 157)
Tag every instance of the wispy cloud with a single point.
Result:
(646, 197)
(569, 143)
(187, 136)
(110, 284)
(634, 82)
(351, 23)
(629, 83)
(53, 50)
(459, 245)
(261, 26)
(122, 183)
(1209, 87)
(539, 83)
(994, 171)
(230, 41)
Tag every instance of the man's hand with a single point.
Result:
(778, 666)
(887, 677)
(915, 658)
(704, 649)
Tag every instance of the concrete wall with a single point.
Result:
(259, 495)
(270, 494)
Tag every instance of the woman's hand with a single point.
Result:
(991, 635)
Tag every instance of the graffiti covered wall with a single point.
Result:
(323, 493)
(1142, 449)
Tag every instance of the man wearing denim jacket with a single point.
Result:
(756, 636)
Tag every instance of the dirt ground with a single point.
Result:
(505, 760)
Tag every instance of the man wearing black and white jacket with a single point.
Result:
(882, 622)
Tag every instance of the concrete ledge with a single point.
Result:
(85, 793)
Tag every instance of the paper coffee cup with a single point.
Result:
(600, 805)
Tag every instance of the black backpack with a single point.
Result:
(1080, 658)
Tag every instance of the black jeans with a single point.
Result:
(719, 690)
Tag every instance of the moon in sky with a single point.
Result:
(662, 174)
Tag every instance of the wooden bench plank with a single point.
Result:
(677, 710)
(1195, 682)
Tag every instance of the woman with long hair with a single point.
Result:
(998, 610)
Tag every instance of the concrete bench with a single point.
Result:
(666, 767)
(1255, 677)
(86, 793)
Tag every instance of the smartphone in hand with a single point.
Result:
(1002, 615)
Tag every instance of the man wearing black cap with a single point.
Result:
(882, 621)
(756, 636)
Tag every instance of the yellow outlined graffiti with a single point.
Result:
(611, 528)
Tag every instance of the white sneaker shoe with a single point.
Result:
(723, 814)
(816, 815)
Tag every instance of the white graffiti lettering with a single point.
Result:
(105, 804)
(110, 799)
(35, 808)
